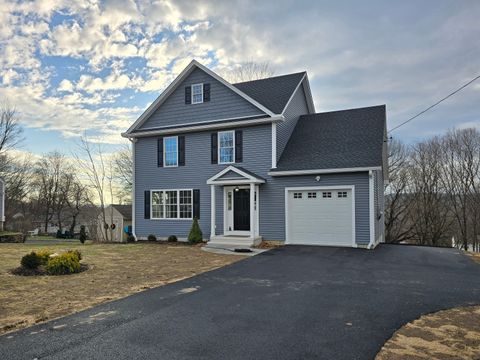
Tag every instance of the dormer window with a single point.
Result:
(197, 93)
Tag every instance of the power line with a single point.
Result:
(438, 102)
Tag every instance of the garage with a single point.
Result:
(320, 216)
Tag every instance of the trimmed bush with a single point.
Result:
(172, 238)
(130, 238)
(31, 261)
(44, 256)
(66, 263)
(195, 236)
(75, 252)
(83, 234)
(152, 237)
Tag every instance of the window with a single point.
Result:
(226, 147)
(185, 204)
(172, 204)
(312, 195)
(326, 194)
(197, 93)
(342, 194)
(170, 151)
(297, 195)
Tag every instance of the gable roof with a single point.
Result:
(244, 177)
(336, 140)
(178, 80)
(124, 210)
(274, 92)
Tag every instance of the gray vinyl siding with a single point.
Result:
(223, 104)
(297, 107)
(257, 159)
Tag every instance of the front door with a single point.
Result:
(241, 210)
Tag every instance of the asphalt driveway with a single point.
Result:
(296, 302)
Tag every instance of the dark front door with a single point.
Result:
(241, 209)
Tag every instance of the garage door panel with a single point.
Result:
(320, 219)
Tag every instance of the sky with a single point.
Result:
(71, 67)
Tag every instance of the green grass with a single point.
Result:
(6, 233)
(41, 237)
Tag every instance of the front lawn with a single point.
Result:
(115, 271)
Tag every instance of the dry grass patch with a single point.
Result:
(115, 271)
(449, 334)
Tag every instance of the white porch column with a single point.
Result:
(252, 211)
(212, 211)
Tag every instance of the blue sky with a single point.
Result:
(72, 66)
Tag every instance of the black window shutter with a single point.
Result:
(206, 92)
(196, 204)
(188, 94)
(181, 151)
(147, 204)
(160, 152)
(214, 148)
(238, 146)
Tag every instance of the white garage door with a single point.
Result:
(320, 217)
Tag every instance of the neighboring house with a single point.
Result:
(254, 161)
(119, 220)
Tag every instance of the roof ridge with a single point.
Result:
(270, 77)
(343, 110)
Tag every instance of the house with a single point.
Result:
(119, 221)
(254, 161)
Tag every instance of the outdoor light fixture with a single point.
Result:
(317, 178)
(237, 188)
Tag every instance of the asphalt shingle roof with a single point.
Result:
(273, 92)
(337, 139)
(125, 210)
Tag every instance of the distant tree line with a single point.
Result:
(60, 188)
(433, 195)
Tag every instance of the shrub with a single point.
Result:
(66, 263)
(172, 238)
(83, 234)
(31, 261)
(44, 256)
(76, 253)
(152, 237)
(130, 238)
(195, 236)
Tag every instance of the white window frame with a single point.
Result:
(218, 146)
(201, 92)
(165, 152)
(164, 205)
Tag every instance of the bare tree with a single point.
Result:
(249, 70)
(98, 176)
(430, 209)
(398, 222)
(123, 170)
(10, 129)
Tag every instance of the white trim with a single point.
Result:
(133, 189)
(165, 153)
(191, 93)
(322, 171)
(218, 147)
(308, 93)
(231, 188)
(274, 145)
(212, 211)
(165, 205)
(320, 188)
(178, 80)
(248, 178)
(194, 127)
(252, 211)
(371, 206)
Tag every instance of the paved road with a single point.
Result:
(290, 303)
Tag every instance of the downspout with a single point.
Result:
(133, 141)
(371, 205)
